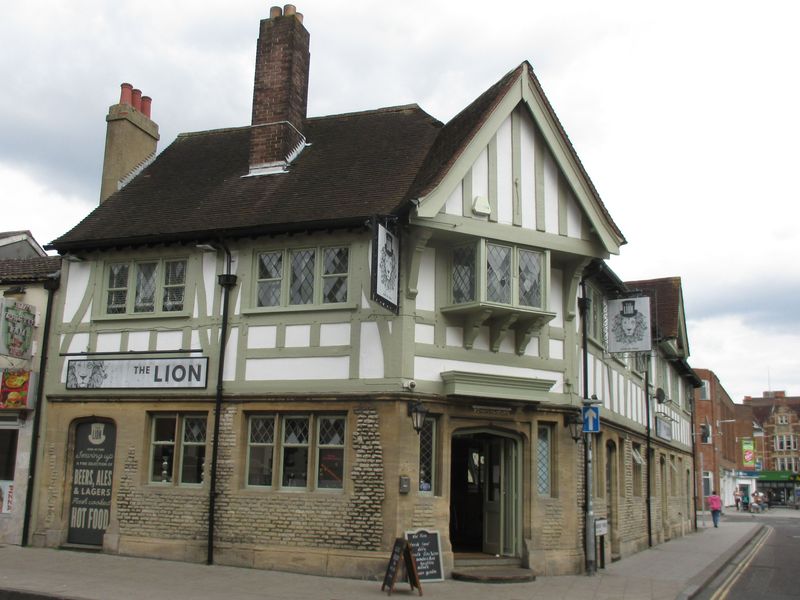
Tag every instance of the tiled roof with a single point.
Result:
(356, 165)
(666, 295)
(21, 270)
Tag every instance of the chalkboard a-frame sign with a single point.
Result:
(401, 549)
(427, 554)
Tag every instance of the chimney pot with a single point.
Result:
(136, 99)
(299, 16)
(289, 9)
(147, 103)
(125, 93)
(275, 12)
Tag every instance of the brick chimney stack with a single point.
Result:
(280, 92)
(131, 140)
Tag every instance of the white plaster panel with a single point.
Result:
(550, 194)
(209, 279)
(507, 344)
(482, 339)
(532, 349)
(590, 376)
(108, 342)
(430, 369)
(229, 370)
(138, 341)
(454, 336)
(77, 284)
(505, 174)
(262, 336)
(370, 360)
(574, 217)
(169, 340)
(297, 336)
(293, 369)
(555, 300)
(364, 299)
(480, 179)
(196, 307)
(390, 324)
(334, 334)
(557, 349)
(528, 171)
(78, 343)
(424, 334)
(196, 343)
(426, 284)
(455, 204)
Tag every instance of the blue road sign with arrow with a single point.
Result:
(591, 419)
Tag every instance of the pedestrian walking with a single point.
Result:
(715, 506)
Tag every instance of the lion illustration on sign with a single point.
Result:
(629, 326)
(86, 374)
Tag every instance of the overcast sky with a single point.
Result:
(686, 116)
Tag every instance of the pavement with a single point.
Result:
(677, 569)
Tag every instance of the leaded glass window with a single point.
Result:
(334, 275)
(194, 449)
(295, 452)
(145, 287)
(530, 278)
(117, 300)
(301, 290)
(330, 452)
(174, 285)
(464, 274)
(270, 278)
(427, 441)
(261, 446)
(544, 460)
(498, 274)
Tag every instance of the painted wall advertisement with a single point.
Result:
(92, 473)
(6, 496)
(16, 328)
(137, 373)
(748, 454)
(14, 386)
(629, 325)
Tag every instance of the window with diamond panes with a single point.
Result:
(334, 275)
(145, 287)
(330, 452)
(270, 278)
(530, 278)
(261, 448)
(194, 450)
(174, 285)
(498, 274)
(427, 441)
(463, 274)
(544, 460)
(301, 287)
(294, 462)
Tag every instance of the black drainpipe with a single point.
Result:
(649, 462)
(51, 285)
(227, 281)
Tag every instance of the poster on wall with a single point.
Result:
(17, 321)
(14, 387)
(748, 454)
(92, 473)
(629, 325)
(6, 496)
(137, 373)
(385, 267)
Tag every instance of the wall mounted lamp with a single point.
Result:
(574, 422)
(417, 411)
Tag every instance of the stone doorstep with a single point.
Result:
(493, 574)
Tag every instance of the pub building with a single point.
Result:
(362, 324)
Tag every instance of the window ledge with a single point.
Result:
(525, 322)
(140, 316)
(299, 308)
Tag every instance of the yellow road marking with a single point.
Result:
(725, 588)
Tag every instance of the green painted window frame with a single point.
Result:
(180, 446)
(481, 274)
(313, 448)
(131, 288)
(320, 276)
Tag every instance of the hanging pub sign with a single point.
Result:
(663, 428)
(92, 474)
(629, 325)
(127, 373)
(385, 266)
(14, 387)
(16, 328)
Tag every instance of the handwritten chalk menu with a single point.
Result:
(92, 472)
(401, 549)
(427, 553)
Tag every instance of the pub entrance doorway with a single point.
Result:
(485, 476)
